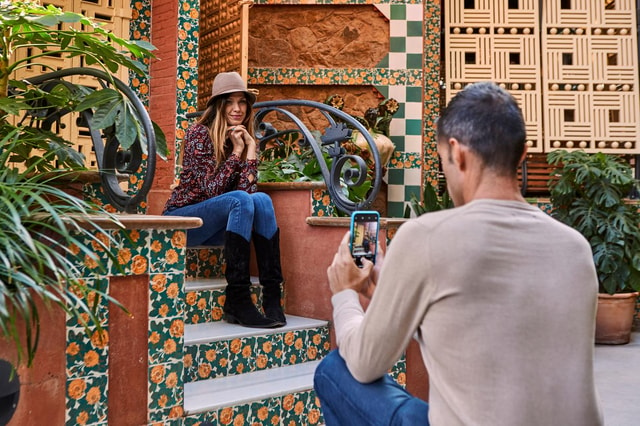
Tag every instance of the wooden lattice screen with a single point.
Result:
(590, 69)
(115, 15)
(223, 42)
(489, 40)
(580, 92)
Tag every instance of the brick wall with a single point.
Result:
(162, 104)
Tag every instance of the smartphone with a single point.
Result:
(364, 235)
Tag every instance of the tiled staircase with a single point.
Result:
(244, 376)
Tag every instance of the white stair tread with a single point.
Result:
(222, 330)
(198, 284)
(213, 394)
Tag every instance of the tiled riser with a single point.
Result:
(302, 408)
(206, 305)
(204, 263)
(247, 354)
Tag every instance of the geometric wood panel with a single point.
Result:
(590, 74)
(574, 72)
(497, 41)
(221, 43)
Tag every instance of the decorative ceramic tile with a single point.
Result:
(86, 400)
(205, 262)
(132, 252)
(268, 351)
(321, 204)
(313, 410)
(166, 339)
(206, 361)
(399, 371)
(97, 304)
(241, 355)
(170, 417)
(432, 13)
(168, 249)
(264, 413)
(97, 263)
(294, 349)
(234, 415)
(295, 408)
(93, 192)
(318, 344)
(187, 70)
(197, 419)
(87, 354)
(166, 296)
(204, 306)
(166, 389)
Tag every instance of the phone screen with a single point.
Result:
(364, 235)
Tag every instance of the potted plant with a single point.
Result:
(43, 228)
(591, 193)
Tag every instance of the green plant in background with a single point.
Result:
(30, 32)
(285, 161)
(431, 201)
(44, 230)
(377, 121)
(589, 192)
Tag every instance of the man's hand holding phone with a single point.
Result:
(344, 274)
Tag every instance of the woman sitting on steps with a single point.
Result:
(218, 184)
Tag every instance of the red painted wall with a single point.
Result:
(162, 101)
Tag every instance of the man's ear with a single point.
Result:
(524, 154)
(458, 153)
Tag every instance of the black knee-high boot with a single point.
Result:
(270, 274)
(238, 307)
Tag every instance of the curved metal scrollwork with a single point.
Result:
(346, 169)
(114, 162)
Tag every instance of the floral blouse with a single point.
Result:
(203, 178)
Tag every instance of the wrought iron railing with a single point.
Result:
(348, 170)
(114, 162)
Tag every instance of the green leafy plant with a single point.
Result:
(589, 192)
(431, 201)
(285, 161)
(30, 32)
(377, 121)
(43, 231)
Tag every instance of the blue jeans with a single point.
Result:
(345, 401)
(235, 211)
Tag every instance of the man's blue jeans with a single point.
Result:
(235, 211)
(345, 401)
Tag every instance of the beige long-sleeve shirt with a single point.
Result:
(501, 299)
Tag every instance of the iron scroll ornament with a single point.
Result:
(113, 162)
(346, 169)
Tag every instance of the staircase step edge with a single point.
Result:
(229, 391)
(221, 330)
(203, 284)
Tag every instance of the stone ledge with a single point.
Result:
(140, 221)
(344, 222)
(290, 186)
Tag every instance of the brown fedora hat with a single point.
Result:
(230, 82)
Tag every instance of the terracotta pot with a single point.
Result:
(614, 318)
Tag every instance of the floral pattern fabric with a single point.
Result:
(203, 178)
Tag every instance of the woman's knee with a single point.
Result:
(262, 202)
(242, 201)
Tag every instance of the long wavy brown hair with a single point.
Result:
(213, 118)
